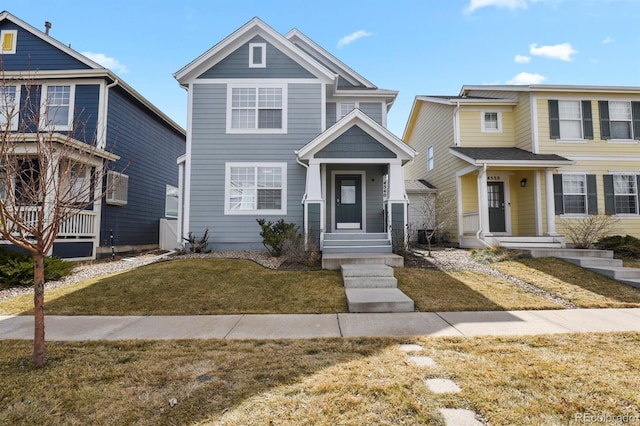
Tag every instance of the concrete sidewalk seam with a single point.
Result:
(339, 324)
(233, 327)
(450, 325)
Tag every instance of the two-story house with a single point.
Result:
(47, 87)
(280, 128)
(523, 161)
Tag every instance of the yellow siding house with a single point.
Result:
(523, 161)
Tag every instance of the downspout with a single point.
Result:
(306, 181)
(480, 213)
(456, 125)
(304, 198)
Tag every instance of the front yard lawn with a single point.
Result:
(506, 380)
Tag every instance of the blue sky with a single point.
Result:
(428, 47)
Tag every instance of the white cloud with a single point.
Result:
(562, 51)
(509, 4)
(353, 37)
(522, 59)
(608, 40)
(106, 61)
(527, 78)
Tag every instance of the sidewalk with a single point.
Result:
(304, 326)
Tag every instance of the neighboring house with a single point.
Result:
(68, 88)
(280, 128)
(523, 161)
(422, 214)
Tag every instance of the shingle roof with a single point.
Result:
(507, 154)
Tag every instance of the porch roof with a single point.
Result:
(508, 157)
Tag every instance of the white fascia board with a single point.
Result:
(515, 163)
(252, 28)
(181, 159)
(366, 93)
(357, 117)
(48, 39)
(351, 76)
(467, 101)
(553, 88)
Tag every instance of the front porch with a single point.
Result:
(506, 199)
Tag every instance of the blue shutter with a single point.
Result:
(609, 204)
(557, 193)
(592, 195)
(587, 120)
(605, 129)
(554, 120)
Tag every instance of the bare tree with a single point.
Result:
(46, 179)
(437, 212)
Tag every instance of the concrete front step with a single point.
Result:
(370, 282)
(565, 252)
(329, 249)
(365, 242)
(631, 282)
(366, 271)
(586, 262)
(333, 261)
(617, 272)
(378, 300)
(355, 236)
(531, 245)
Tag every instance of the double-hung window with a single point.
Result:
(57, 107)
(575, 194)
(255, 188)
(171, 201)
(9, 110)
(257, 109)
(346, 108)
(570, 120)
(619, 120)
(491, 122)
(621, 193)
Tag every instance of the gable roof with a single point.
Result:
(508, 156)
(419, 186)
(357, 118)
(95, 69)
(550, 88)
(243, 34)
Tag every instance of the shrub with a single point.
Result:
(274, 235)
(16, 268)
(584, 232)
(496, 254)
(293, 248)
(626, 247)
(198, 245)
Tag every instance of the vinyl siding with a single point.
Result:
(373, 110)
(148, 149)
(85, 112)
(331, 114)
(34, 54)
(522, 118)
(523, 220)
(434, 126)
(471, 134)
(212, 148)
(236, 65)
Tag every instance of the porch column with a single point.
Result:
(483, 201)
(314, 206)
(550, 202)
(397, 205)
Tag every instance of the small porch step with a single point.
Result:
(356, 243)
(587, 262)
(378, 300)
(522, 242)
(565, 252)
(368, 276)
(333, 261)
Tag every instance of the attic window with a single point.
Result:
(9, 40)
(257, 55)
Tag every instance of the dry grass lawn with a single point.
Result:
(515, 380)
(577, 285)
(438, 291)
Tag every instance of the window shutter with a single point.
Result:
(605, 129)
(557, 193)
(609, 205)
(592, 195)
(587, 120)
(635, 114)
(554, 119)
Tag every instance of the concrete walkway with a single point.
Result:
(304, 326)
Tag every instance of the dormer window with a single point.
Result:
(9, 39)
(491, 121)
(257, 55)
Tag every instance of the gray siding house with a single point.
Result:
(280, 128)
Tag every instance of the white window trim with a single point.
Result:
(631, 141)
(43, 107)
(263, 212)
(166, 191)
(15, 119)
(285, 101)
(581, 139)
(586, 197)
(15, 41)
(483, 128)
(263, 59)
(356, 104)
(637, 194)
(430, 158)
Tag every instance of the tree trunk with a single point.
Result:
(38, 358)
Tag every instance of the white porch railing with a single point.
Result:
(81, 225)
(470, 222)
